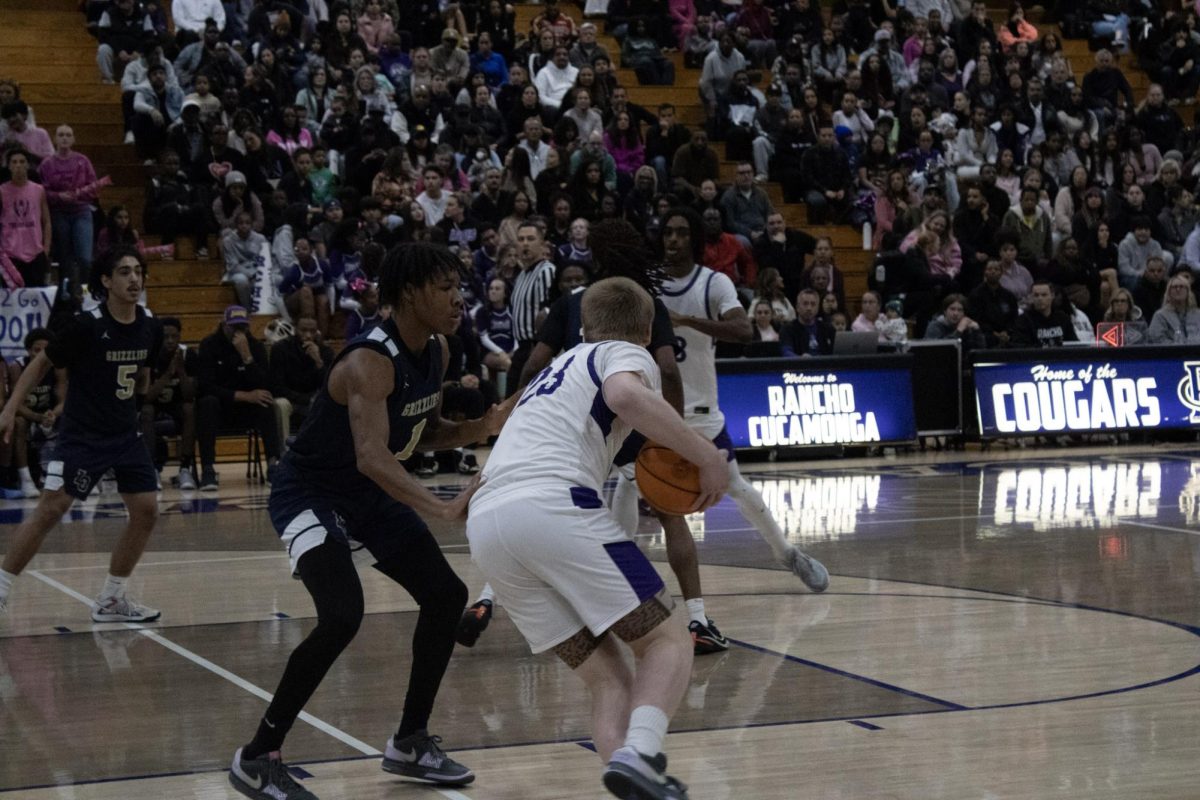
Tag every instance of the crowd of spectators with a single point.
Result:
(1008, 204)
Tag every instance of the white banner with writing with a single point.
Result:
(265, 298)
(22, 310)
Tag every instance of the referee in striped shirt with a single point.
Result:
(530, 294)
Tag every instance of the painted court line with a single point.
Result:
(236, 680)
(142, 564)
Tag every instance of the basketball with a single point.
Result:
(668, 482)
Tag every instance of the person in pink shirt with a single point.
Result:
(374, 26)
(914, 44)
(69, 181)
(25, 221)
(34, 140)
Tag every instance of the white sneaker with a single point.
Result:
(807, 569)
(187, 481)
(29, 489)
(128, 137)
(761, 178)
(122, 609)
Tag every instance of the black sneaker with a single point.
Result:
(265, 778)
(467, 465)
(707, 639)
(633, 776)
(421, 758)
(474, 622)
(208, 480)
(427, 467)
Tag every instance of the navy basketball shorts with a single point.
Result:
(373, 526)
(76, 466)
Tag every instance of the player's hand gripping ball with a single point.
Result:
(668, 482)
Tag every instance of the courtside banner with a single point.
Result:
(811, 402)
(1019, 393)
(22, 310)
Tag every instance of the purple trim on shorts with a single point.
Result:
(583, 497)
(637, 569)
(722, 442)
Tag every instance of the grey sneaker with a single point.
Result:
(265, 778)
(208, 480)
(187, 480)
(807, 569)
(122, 609)
(633, 776)
(421, 757)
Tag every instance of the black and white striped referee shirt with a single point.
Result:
(530, 291)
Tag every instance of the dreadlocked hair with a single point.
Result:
(414, 265)
(620, 251)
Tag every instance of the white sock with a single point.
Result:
(25, 476)
(6, 582)
(113, 587)
(695, 608)
(647, 729)
(488, 594)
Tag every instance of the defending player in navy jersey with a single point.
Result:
(107, 354)
(340, 496)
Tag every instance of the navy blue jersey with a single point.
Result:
(323, 452)
(41, 398)
(563, 326)
(103, 358)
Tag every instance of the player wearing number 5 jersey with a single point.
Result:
(704, 310)
(340, 496)
(107, 353)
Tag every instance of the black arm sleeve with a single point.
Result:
(662, 333)
(553, 332)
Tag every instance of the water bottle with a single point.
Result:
(880, 274)
(867, 238)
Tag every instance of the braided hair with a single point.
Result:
(413, 265)
(619, 250)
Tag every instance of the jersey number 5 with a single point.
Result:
(126, 380)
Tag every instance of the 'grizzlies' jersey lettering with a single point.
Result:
(126, 355)
(323, 451)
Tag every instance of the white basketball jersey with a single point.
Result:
(562, 431)
(706, 294)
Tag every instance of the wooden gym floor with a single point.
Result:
(1017, 625)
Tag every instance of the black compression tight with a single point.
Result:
(329, 575)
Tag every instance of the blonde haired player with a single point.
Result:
(705, 309)
(566, 572)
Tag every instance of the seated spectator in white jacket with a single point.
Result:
(1135, 249)
(975, 146)
(555, 79)
(243, 248)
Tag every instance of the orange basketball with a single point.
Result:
(669, 482)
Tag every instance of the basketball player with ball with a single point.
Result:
(705, 309)
(566, 571)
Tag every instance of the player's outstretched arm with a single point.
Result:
(363, 380)
(652, 416)
(445, 434)
(31, 376)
